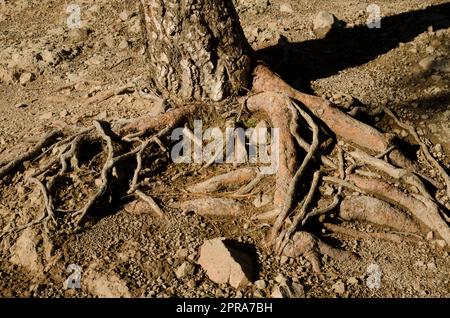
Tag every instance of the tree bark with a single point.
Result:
(197, 49)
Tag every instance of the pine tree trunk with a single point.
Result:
(196, 49)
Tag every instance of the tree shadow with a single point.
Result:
(300, 63)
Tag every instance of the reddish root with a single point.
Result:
(156, 123)
(424, 209)
(275, 107)
(364, 208)
(337, 121)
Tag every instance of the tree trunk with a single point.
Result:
(196, 49)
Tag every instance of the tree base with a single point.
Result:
(116, 171)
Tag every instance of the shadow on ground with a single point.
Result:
(349, 47)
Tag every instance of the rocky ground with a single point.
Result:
(48, 71)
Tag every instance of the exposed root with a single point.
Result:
(306, 244)
(317, 212)
(223, 181)
(275, 107)
(153, 205)
(423, 147)
(289, 196)
(425, 210)
(337, 121)
(146, 124)
(368, 209)
(392, 237)
(286, 235)
(396, 173)
(105, 95)
(105, 174)
(30, 154)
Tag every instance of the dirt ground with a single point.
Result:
(47, 71)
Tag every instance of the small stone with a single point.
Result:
(338, 288)
(124, 44)
(283, 259)
(294, 290)
(431, 266)
(124, 15)
(328, 191)
(323, 23)
(280, 279)
(426, 63)
(46, 116)
(78, 35)
(430, 235)
(25, 78)
(184, 270)
(260, 284)
(441, 243)
(21, 105)
(182, 253)
(258, 294)
(429, 49)
(191, 283)
(286, 8)
(64, 113)
(404, 133)
(438, 148)
(352, 281)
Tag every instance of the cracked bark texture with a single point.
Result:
(197, 49)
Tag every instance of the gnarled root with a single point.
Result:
(340, 123)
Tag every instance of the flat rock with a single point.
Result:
(184, 270)
(224, 264)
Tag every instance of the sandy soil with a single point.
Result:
(124, 254)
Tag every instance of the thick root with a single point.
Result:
(337, 121)
(364, 208)
(425, 210)
(275, 107)
(223, 181)
(156, 123)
